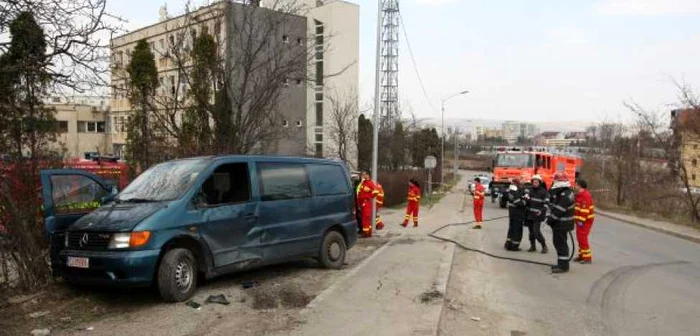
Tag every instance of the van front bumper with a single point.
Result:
(110, 268)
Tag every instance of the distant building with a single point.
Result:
(82, 125)
(560, 139)
(688, 142)
(493, 133)
(512, 130)
(477, 133)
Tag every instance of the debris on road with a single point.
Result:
(89, 328)
(477, 319)
(41, 332)
(220, 299)
(452, 304)
(194, 304)
(430, 296)
(38, 314)
(249, 284)
(294, 296)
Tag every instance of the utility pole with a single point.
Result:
(377, 111)
(456, 167)
(442, 151)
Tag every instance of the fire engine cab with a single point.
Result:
(516, 162)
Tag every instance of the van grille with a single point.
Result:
(95, 240)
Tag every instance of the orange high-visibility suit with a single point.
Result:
(379, 195)
(413, 198)
(479, 194)
(365, 193)
(583, 217)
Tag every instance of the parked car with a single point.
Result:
(206, 215)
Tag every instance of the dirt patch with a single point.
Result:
(430, 296)
(405, 241)
(278, 294)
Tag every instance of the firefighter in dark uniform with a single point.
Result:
(561, 219)
(536, 198)
(517, 212)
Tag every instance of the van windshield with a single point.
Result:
(515, 160)
(164, 182)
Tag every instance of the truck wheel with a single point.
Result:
(177, 275)
(333, 249)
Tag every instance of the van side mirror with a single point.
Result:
(199, 200)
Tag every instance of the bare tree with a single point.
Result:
(342, 126)
(676, 142)
(77, 34)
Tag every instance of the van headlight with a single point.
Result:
(119, 241)
(129, 239)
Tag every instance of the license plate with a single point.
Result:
(78, 262)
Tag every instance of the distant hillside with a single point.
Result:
(468, 124)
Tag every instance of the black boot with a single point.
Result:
(508, 245)
(532, 247)
(544, 249)
(562, 267)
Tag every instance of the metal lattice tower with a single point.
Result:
(390, 64)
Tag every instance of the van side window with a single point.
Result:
(75, 194)
(281, 181)
(229, 183)
(328, 180)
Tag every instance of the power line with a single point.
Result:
(415, 66)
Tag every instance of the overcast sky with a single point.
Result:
(539, 60)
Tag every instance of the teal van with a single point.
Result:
(198, 216)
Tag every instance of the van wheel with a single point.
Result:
(177, 275)
(333, 249)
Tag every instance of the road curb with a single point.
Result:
(333, 287)
(650, 227)
(441, 282)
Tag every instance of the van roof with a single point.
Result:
(274, 158)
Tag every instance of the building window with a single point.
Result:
(298, 81)
(217, 28)
(300, 41)
(285, 123)
(693, 177)
(319, 96)
(695, 162)
(319, 73)
(205, 30)
(319, 137)
(299, 124)
(172, 85)
(172, 40)
(319, 150)
(286, 82)
(62, 126)
(285, 38)
(91, 126)
(319, 113)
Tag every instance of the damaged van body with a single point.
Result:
(200, 216)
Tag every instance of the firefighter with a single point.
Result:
(479, 195)
(517, 212)
(413, 198)
(536, 198)
(583, 217)
(356, 180)
(379, 195)
(492, 188)
(561, 218)
(365, 194)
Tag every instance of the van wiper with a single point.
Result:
(137, 200)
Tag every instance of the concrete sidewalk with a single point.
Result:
(397, 291)
(676, 230)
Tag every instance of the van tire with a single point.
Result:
(333, 250)
(177, 275)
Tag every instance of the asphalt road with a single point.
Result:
(640, 283)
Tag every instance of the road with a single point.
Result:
(641, 283)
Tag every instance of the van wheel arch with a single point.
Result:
(192, 244)
(333, 248)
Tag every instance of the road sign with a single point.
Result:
(430, 162)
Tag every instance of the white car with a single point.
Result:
(484, 181)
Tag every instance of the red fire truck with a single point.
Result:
(524, 163)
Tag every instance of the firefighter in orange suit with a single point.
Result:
(365, 194)
(583, 217)
(379, 195)
(414, 194)
(479, 194)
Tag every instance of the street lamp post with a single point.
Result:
(442, 151)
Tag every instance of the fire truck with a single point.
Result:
(523, 163)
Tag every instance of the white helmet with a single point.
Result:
(537, 177)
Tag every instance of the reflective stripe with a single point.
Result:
(591, 216)
(553, 216)
(558, 207)
(582, 219)
(563, 258)
(566, 219)
(537, 200)
(583, 210)
(535, 210)
(366, 189)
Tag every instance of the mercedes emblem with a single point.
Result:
(84, 240)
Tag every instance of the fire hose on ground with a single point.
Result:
(467, 248)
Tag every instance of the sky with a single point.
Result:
(531, 60)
